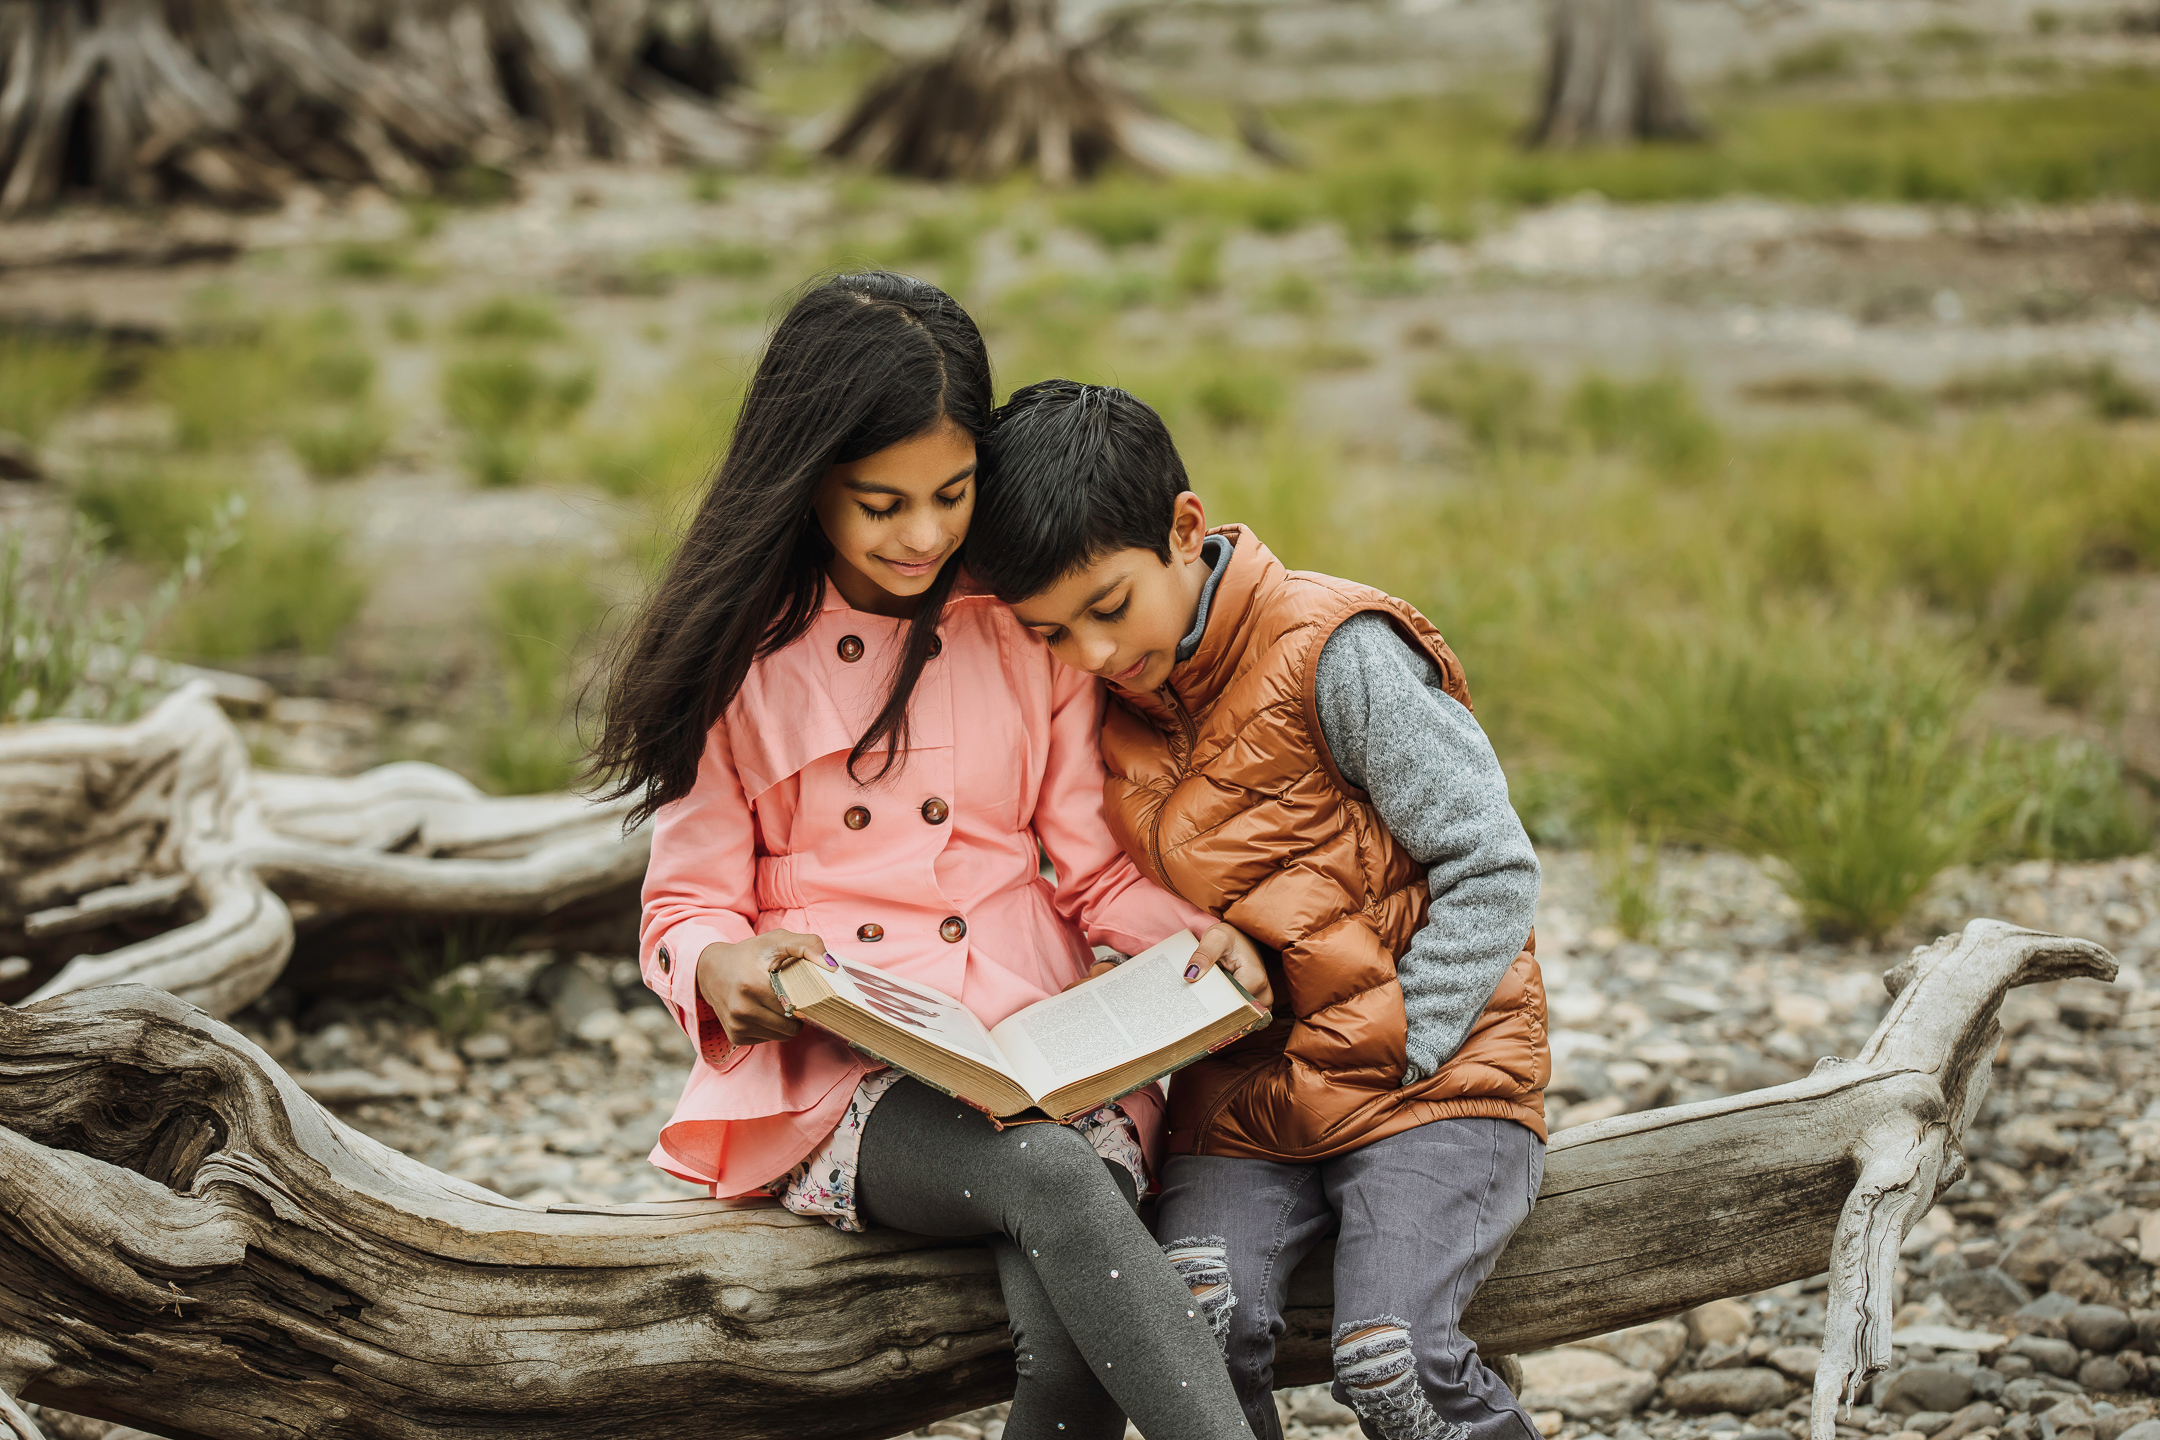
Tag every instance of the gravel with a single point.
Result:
(561, 1094)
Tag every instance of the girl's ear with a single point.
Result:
(1188, 527)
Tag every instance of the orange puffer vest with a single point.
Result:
(1222, 788)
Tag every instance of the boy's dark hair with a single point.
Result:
(1069, 473)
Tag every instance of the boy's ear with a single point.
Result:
(1188, 527)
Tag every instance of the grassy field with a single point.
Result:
(1678, 630)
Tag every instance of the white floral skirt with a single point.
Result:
(823, 1185)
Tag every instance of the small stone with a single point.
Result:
(2111, 1426)
(1655, 1347)
(1908, 1434)
(2035, 1139)
(1796, 1361)
(1765, 1433)
(1950, 1338)
(1584, 1384)
(2083, 1283)
(2104, 1372)
(1315, 1406)
(1989, 1293)
(486, 1046)
(1927, 1422)
(1923, 1387)
(1742, 1392)
(1721, 1322)
(1548, 1422)
(2057, 1357)
(2043, 1316)
(2014, 1367)
(1977, 1416)
(1722, 1357)
(2100, 1328)
(2143, 1430)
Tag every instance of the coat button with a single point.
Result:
(954, 930)
(856, 817)
(937, 647)
(935, 810)
(667, 961)
(869, 934)
(851, 648)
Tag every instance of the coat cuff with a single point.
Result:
(671, 972)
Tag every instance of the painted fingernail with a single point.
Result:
(1192, 972)
(831, 964)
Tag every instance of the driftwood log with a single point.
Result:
(191, 1245)
(154, 854)
(1015, 90)
(243, 100)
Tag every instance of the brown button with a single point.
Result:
(935, 810)
(954, 929)
(870, 934)
(937, 647)
(856, 817)
(667, 961)
(851, 648)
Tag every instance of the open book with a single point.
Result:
(1065, 1056)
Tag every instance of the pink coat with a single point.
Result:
(931, 872)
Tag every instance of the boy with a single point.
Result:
(1296, 754)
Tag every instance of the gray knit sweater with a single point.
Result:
(1396, 733)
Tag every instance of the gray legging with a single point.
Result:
(1102, 1327)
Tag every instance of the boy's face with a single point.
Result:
(1122, 617)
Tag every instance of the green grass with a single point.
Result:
(507, 317)
(43, 379)
(542, 619)
(153, 509)
(505, 402)
(61, 654)
(670, 437)
(729, 260)
(1497, 403)
(1399, 171)
(285, 586)
(1627, 866)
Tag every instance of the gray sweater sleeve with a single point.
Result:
(1432, 775)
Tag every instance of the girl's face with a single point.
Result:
(895, 517)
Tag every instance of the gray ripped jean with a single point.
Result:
(1420, 1218)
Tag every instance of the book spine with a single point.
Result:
(869, 1054)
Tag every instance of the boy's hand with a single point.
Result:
(735, 981)
(1226, 945)
(1100, 967)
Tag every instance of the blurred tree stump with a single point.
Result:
(153, 853)
(1609, 79)
(1014, 91)
(188, 1242)
(244, 100)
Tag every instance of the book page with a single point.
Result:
(1141, 1006)
(932, 1014)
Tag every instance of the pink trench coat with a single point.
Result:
(930, 872)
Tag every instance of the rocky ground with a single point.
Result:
(2022, 1312)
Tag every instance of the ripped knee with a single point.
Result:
(1202, 1262)
(1377, 1370)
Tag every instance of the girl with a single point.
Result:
(836, 736)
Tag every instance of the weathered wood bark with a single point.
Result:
(239, 100)
(161, 826)
(188, 1243)
(1608, 78)
(1014, 92)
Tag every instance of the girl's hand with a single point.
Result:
(1226, 945)
(733, 978)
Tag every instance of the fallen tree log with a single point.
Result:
(191, 1245)
(241, 101)
(153, 853)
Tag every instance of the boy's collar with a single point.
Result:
(1216, 549)
(1244, 575)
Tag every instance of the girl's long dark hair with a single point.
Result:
(859, 362)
